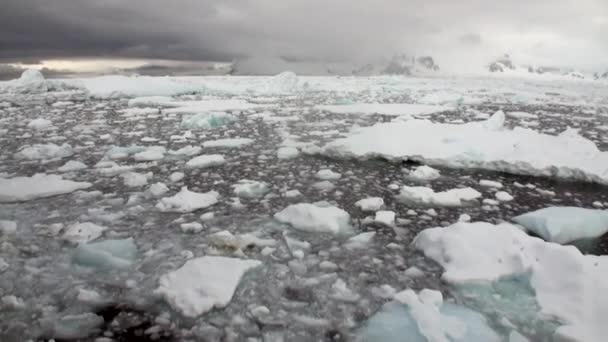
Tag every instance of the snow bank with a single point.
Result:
(568, 285)
(427, 196)
(20, 189)
(565, 224)
(485, 145)
(311, 218)
(187, 201)
(202, 284)
(393, 109)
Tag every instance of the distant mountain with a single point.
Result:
(505, 64)
(400, 64)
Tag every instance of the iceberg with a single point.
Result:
(565, 224)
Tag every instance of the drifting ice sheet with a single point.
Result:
(311, 218)
(20, 189)
(203, 283)
(427, 196)
(565, 224)
(568, 285)
(187, 201)
(484, 145)
(394, 109)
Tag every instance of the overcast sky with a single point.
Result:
(455, 32)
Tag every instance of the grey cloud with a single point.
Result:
(303, 30)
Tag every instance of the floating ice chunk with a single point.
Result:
(21, 189)
(187, 151)
(89, 296)
(206, 120)
(251, 189)
(134, 179)
(118, 152)
(151, 101)
(158, 189)
(292, 193)
(393, 109)
(413, 272)
(83, 232)
(72, 165)
(40, 124)
(287, 152)
(72, 327)
(185, 292)
(427, 196)
(176, 176)
(370, 204)
(341, 292)
(225, 239)
(503, 196)
(3, 265)
(44, 151)
(425, 173)
(490, 184)
(206, 160)
(565, 224)
(311, 218)
(150, 154)
(12, 302)
(324, 186)
(206, 106)
(228, 142)
(464, 218)
(187, 201)
(62, 104)
(106, 255)
(482, 252)
(427, 318)
(386, 217)
(327, 174)
(191, 227)
(485, 145)
(359, 240)
(8, 227)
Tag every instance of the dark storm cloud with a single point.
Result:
(568, 31)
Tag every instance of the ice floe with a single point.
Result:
(21, 189)
(186, 201)
(205, 160)
(426, 196)
(311, 218)
(565, 224)
(485, 145)
(393, 109)
(185, 291)
(106, 255)
(568, 285)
